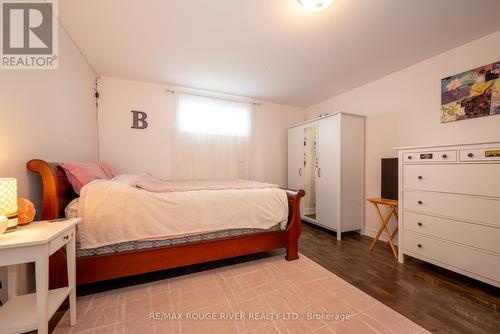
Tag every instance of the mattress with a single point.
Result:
(145, 244)
(71, 212)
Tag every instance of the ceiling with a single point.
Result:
(270, 49)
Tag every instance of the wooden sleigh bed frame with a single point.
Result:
(57, 193)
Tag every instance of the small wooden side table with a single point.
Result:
(392, 204)
(35, 243)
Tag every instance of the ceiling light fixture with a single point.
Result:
(315, 5)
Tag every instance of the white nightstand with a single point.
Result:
(35, 243)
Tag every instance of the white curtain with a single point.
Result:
(212, 139)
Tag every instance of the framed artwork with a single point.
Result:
(471, 94)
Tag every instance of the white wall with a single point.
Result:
(149, 150)
(47, 114)
(403, 109)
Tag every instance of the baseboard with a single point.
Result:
(371, 233)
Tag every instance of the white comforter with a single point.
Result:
(113, 211)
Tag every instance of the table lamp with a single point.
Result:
(8, 202)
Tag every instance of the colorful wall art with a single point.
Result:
(471, 94)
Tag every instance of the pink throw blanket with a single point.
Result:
(152, 184)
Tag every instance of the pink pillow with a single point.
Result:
(81, 173)
(108, 170)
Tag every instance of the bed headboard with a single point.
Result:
(56, 189)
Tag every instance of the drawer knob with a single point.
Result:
(66, 237)
(419, 202)
(420, 177)
(419, 246)
(445, 156)
(470, 155)
(419, 224)
(409, 157)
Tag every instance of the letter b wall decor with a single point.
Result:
(139, 120)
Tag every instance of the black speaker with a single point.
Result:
(389, 178)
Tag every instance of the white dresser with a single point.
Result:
(450, 208)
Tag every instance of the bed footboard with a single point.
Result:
(294, 223)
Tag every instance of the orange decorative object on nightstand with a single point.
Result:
(26, 211)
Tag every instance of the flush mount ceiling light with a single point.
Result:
(315, 5)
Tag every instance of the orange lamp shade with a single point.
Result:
(26, 211)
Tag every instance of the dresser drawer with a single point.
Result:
(61, 240)
(473, 179)
(428, 157)
(480, 236)
(471, 260)
(480, 154)
(478, 209)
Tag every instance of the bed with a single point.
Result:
(147, 256)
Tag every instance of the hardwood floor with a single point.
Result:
(438, 300)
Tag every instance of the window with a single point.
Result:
(212, 116)
(212, 139)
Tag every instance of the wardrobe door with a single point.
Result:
(310, 171)
(296, 158)
(328, 173)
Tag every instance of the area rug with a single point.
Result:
(269, 295)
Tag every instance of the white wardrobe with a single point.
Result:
(326, 159)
